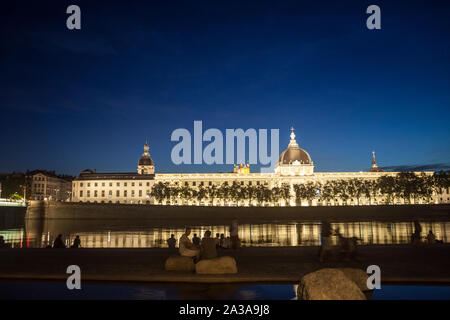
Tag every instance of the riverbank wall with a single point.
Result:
(58, 210)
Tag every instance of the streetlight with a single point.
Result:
(24, 192)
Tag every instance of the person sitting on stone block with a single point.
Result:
(171, 242)
(187, 248)
(208, 247)
(431, 238)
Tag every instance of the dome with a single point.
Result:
(145, 161)
(294, 153)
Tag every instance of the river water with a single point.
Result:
(20, 232)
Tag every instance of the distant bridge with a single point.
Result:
(12, 203)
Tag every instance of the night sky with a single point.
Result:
(89, 98)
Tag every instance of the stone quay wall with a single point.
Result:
(64, 210)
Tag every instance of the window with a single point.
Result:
(88, 193)
(194, 183)
(81, 184)
(95, 194)
(103, 184)
(103, 193)
(110, 184)
(95, 184)
(125, 193)
(186, 183)
(110, 193)
(140, 193)
(132, 184)
(201, 183)
(210, 183)
(124, 184)
(89, 184)
(140, 184)
(242, 183)
(132, 193)
(81, 193)
(148, 184)
(117, 193)
(118, 184)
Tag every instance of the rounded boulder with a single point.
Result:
(179, 263)
(220, 265)
(328, 284)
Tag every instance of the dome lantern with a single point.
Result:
(294, 160)
(145, 163)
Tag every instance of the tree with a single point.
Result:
(441, 180)
(300, 193)
(201, 193)
(186, 192)
(251, 193)
(342, 187)
(158, 192)
(275, 195)
(326, 192)
(306, 191)
(15, 196)
(285, 193)
(212, 193)
(368, 189)
(388, 185)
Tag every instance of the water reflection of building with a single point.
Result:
(294, 234)
(295, 166)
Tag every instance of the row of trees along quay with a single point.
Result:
(407, 186)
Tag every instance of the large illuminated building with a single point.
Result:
(294, 167)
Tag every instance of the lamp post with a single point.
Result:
(24, 192)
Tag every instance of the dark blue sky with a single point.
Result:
(72, 100)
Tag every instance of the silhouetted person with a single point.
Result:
(226, 243)
(208, 248)
(196, 240)
(431, 238)
(416, 236)
(217, 239)
(3, 244)
(325, 234)
(234, 234)
(59, 243)
(417, 227)
(171, 242)
(76, 242)
(347, 246)
(222, 240)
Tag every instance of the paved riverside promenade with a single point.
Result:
(398, 263)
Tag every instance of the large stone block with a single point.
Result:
(220, 265)
(358, 276)
(179, 263)
(328, 284)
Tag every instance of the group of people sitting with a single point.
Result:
(59, 243)
(416, 237)
(205, 248)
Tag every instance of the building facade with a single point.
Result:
(46, 186)
(295, 167)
